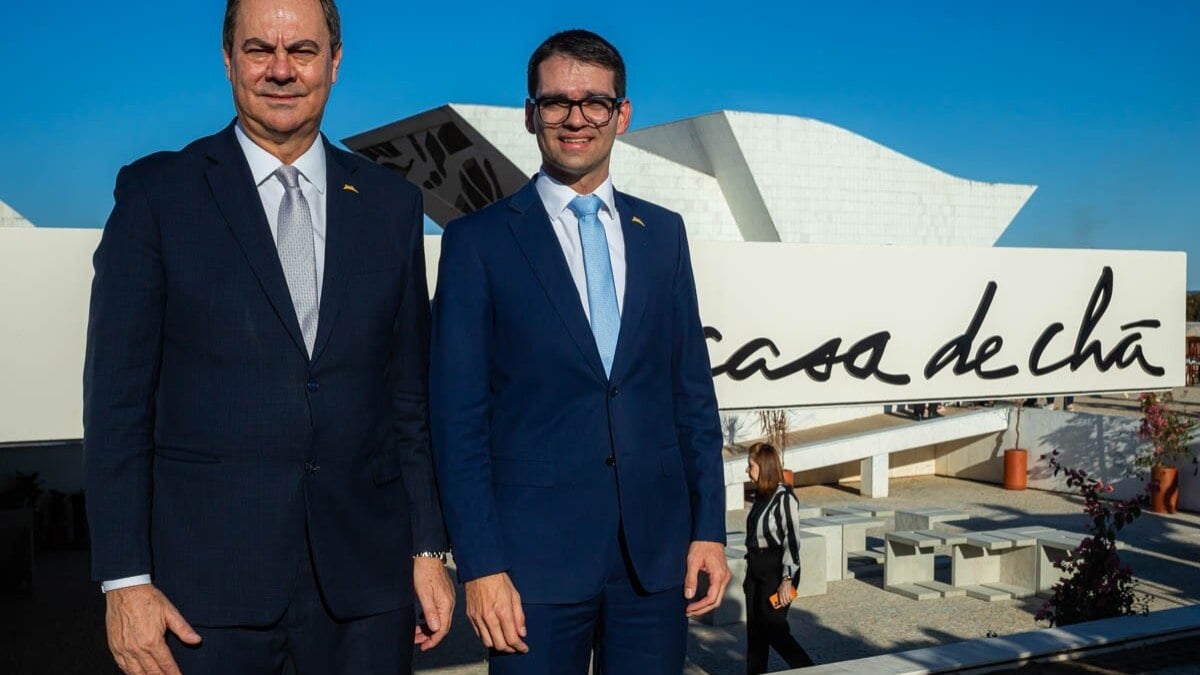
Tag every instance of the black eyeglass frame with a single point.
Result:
(614, 101)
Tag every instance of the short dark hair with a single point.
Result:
(333, 21)
(770, 468)
(580, 45)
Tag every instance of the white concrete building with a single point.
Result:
(735, 176)
(10, 218)
(732, 175)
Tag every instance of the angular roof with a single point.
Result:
(10, 218)
(733, 176)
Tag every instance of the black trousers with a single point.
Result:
(767, 627)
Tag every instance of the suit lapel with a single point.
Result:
(531, 227)
(637, 269)
(237, 197)
(343, 218)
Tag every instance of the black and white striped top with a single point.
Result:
(772, 524)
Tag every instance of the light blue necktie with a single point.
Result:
(601, 289)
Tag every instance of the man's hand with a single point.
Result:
(708, 556)
(494, 607)
(435, 592)
(138, 618)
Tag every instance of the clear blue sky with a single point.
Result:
(1097, 103)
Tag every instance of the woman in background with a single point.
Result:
(772, 564)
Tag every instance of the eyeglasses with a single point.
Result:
(597, 110)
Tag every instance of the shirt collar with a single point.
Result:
(556, 196)
(263, 164)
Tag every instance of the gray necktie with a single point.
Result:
(297, 252)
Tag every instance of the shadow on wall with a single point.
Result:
(1102, 445)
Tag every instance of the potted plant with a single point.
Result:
(1167, 434)
(1016, 458)
(775, 423)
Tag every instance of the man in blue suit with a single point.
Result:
(575, 426)
(259, 478)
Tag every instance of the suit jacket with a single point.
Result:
(524, 418)
(214, 446)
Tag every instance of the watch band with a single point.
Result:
(440, 555)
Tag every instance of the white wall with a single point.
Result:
(45, 279)
(1102, 445)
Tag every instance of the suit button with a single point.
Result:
(610, 460)
(312, 386)
(614, 392)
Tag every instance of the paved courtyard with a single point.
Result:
(60, 631)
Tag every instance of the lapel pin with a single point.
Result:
(638, 221)
(350, 188)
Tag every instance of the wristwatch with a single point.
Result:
(440, 555)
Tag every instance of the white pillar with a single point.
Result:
(735, 496)
(875, 476)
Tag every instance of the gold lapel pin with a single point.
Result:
(350, 188)
(638, 221)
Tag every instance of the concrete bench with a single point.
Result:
(926, 518)
(864, 510)
(870, 557)
(995, 565)
(909, 566)
(808, 511)
(1052, 547)
(813, 570)
(831, 538)
(854, 540)
(854, 529)
(990, 565)
(846, 538)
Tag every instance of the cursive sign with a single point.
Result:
(863, 359)
(1105, 327)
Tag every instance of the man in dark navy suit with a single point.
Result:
(574, 421)
(259, 477)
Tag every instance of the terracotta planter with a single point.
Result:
(1016, 464)
(1164, 497)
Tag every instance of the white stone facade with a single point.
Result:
(733, 176)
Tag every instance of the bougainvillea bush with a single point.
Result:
(1166, 432)
(1095, 584)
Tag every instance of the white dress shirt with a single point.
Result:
(270, 190)
(556, 197)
